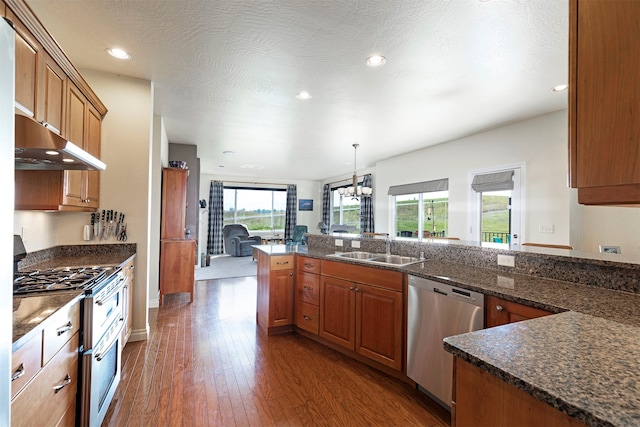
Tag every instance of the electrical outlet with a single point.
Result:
(546, 228)
(355, 244)
(339, 242)
(505, 282)
(506, 260)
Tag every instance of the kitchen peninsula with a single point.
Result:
(593, 300)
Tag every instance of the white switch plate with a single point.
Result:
(546, 228)
(506, 260)
(355, 244)
(339, 242)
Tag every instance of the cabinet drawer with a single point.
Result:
(44, 402)
(282, 262)
(307, 317)
(60, 328)
(26, 360)
(308, 288)
(309, 265)
(361, 274)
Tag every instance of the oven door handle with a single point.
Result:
(116, 336)
(117, 289)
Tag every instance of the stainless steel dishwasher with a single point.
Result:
(436, 311)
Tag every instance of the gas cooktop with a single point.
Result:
(58, 279)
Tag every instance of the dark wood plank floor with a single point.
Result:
(206, 364)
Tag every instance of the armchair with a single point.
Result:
(237, 241)
(298, 237)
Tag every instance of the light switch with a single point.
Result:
(355, 244)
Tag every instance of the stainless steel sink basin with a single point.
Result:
(374, 258)
(394, 259)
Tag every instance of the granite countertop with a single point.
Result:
(282, 249)
(583, 365)
(30, 312)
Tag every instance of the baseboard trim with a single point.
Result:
(139, 334)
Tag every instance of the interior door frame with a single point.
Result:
(517, 226)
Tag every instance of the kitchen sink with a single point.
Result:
(375, 258)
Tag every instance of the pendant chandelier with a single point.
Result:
(355, 190)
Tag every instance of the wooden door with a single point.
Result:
(174, 203)
(281, 292)
(51, 95)
(337, 311)
(501, 312)
(91, 179)
(27, 56)
(177, 271)
(379, 325)
(74, 184)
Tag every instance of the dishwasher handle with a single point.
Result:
(445, 290)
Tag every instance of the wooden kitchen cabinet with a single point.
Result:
(51, 97)
(481, 399)
(361, 309)
(174, 203)
(28, 59)
(307, 294)
(45, 395)
(604, 106)
(275, 307)
(177, 271)
(500, 312)
(127, 299)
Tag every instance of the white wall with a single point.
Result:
(539, 143)
(125, 184)
(611, 226)
(305, 190)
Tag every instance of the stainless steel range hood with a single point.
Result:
(38, 148)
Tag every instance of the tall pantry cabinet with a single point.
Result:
(177, 254)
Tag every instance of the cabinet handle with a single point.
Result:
(306, 264)
(351, 288)
(282, 262)
(65, 382)
(61, 330)
(307, 317)
(291, 274)
(499, 308)
(357, 290)
(308, 288)
(17, 374)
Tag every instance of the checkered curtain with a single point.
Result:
(326, 205)
(290, 216)
(366, 208)
(216, 217)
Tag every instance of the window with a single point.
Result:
(421, 209)
(345, 209)
(258, 209)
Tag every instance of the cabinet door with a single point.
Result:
(379, 325)
(174, 203)
(604, 103)
(177, 271)
(51, 95)
(308, 287)
(281, 291)
(501, 312)
(27, 55)
(76, 122)
(337, 311)
(91, 179)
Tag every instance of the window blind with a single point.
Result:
(495, 181)
(420, 187)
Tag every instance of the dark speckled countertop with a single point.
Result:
(585, 361)
(30, 313)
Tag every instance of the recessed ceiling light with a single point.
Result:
(303, 95)
(52, 153)
(118, 53)
(67, 160)
(560, 88)
(228, 152)
(376, 61)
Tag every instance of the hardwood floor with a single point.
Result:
(206, 364)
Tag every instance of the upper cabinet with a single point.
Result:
(604, 101)
(51, 90)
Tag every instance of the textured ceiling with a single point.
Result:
(226, 72)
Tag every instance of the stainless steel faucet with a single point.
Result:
(388, 244)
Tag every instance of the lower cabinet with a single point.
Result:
(363, 313)
(275, 307)
(44, 379)
(127, 300)
(177, 266)
(501, 312)
(481, 399)
(307, 294)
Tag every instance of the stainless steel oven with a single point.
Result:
(101, 354)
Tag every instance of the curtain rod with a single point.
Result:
(347, 179)
(249, 183)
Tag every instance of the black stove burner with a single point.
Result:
(57, 279)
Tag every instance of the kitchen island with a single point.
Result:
(596, 305)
